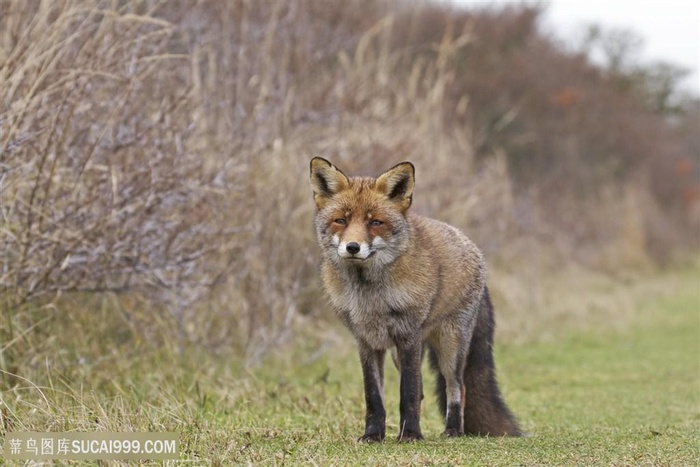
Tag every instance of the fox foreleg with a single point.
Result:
(372, 362)
(409, 356)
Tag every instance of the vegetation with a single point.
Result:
(624, 395)
(155, 219)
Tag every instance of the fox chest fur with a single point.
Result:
(377, 309)
(421, 292)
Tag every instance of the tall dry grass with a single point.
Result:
(101, 189)
(154, 157)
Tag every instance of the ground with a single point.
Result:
(624, 395)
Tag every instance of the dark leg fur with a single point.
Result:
(410, 357)
(373, 372)
(485, 412)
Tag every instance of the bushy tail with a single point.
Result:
(485, 412)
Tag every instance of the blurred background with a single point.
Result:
(154, 161)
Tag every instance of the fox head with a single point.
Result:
(362, 220)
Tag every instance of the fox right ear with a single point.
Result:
(326, 181)
(397, 184)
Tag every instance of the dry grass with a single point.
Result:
(153, 163)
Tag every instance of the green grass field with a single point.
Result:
(625, 396)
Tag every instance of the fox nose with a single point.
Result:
(353, 247)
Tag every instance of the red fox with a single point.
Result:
(399, 280)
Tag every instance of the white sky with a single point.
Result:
(670, 28)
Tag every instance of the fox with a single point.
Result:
(404, 283)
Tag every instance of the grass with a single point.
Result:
(627, 395)
(227, 101)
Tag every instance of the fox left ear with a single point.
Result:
(397, 184)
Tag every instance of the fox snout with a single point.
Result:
(352, 249)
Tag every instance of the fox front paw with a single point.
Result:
(452, 433)
(410, 436)
(371, 438)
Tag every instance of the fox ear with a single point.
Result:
(397, 184)
(326, 181)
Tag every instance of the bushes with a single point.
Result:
(160, 150)
(100, 188)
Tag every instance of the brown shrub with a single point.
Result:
(161, 149)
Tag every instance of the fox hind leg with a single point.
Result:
(441, 384)
(449, 359)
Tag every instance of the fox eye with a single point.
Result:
(376, 223)
(340, 221)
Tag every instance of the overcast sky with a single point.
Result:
(670, 28)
